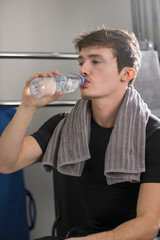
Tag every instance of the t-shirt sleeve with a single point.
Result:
(152, 171)
(44, 133)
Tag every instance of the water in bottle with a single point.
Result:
(41, 87)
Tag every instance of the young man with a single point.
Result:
(113, 136)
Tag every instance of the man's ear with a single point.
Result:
(127, 74)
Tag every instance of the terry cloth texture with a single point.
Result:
(68, 148)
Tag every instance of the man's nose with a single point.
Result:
(84, 70)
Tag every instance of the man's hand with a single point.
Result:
(29, 101)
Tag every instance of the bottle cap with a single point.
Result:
(83, 80)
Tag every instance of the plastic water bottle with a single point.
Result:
(41, 87)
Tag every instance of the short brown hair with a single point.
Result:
(125, 46)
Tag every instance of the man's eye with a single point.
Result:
(80, 64)
(96, 62)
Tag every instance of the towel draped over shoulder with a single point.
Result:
(68, 148)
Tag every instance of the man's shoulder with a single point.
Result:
(153, 125)
(58, 117)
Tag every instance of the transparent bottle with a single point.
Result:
(41, 87)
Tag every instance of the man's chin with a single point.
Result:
(85, 97)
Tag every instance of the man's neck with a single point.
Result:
(104, 112)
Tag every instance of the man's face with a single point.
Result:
(99, 67)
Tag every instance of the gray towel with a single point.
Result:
(68, 148)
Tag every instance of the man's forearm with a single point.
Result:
(12, 138)
(142, 228)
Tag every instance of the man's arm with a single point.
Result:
(16, 150)
(147, 223)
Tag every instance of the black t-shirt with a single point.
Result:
(107, 206)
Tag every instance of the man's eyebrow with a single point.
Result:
(91, 56)
(80, 57)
